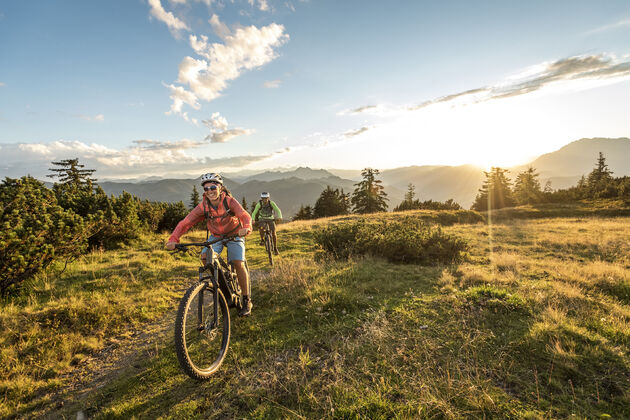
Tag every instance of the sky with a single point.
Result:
(176, 88)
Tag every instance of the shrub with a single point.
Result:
(397, 242)
(173, 214)
(35, 231)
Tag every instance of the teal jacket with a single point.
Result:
(263, 215)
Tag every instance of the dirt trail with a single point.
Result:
(116, 358)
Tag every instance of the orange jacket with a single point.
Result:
(218, 222)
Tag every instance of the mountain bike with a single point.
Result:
(267, 239)
(202, 326)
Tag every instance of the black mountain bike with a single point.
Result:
(202, 326)
(267, 240)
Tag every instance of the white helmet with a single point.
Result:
(264, 195)
(211, 177)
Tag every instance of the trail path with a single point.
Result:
(117, 358)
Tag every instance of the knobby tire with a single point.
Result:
(201, 353)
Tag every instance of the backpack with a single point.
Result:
(268, 210)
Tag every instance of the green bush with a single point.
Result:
(35, 231)
(173, 214)
(396, 241)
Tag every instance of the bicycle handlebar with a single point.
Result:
(184, 246)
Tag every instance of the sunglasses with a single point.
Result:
(210, 187)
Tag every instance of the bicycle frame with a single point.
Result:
(216, 270)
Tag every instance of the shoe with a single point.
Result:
(262, 243)
(276, 252)
(246, 310)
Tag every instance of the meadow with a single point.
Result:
(533, 322)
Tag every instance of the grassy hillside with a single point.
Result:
(535, 323)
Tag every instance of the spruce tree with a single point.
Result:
(495, 193)
(369, 195)
(331, 203)
(600, 181)
(527, 187)
(305, 213)
(194, 198)
(70, 173)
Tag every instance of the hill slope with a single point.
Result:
(533, 324)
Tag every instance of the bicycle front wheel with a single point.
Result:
(201, 341)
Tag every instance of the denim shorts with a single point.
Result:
(235, 248)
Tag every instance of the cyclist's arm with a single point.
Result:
(255, 212)
(194, 217)
(277, 210)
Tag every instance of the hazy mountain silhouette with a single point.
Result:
(565, 166)
(303, 185)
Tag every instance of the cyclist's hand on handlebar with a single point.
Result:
(243, 232)
(171, 245)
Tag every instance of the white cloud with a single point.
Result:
(356, 132)
(173, 23)
(621, 24)
(263, 5)
(181, 96)
(568, 73)
(143, 158)
(272, 84)
(244, 48)
(223, 136)
(219, 132)
(216, 121)
(2, 84)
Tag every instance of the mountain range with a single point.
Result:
(302, 186)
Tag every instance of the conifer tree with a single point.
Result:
(194, 198)
(369, 195)
(331, 203)
(244, 203)
(527, 187)
(600, 181)
(70, 173)
(495, 193)
(305, 213)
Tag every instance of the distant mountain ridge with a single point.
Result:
(302, 186)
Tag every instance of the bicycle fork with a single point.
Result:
(215, 301)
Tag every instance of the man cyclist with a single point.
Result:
(265, 209)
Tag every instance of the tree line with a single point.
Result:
(369, 196)
(498, 191)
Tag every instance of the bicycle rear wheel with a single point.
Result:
(201, 342)
(269, 247)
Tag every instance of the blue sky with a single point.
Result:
(139, 88)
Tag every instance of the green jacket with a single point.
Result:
(266, 213)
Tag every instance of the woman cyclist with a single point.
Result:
(224, 216)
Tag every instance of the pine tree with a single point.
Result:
(410, 194)
(194, 198)
(305, 213)
(244, 203)
(331, 203)
(369, 195)
(71, 175)
(527, 187)
(495, 193)
(600, 181)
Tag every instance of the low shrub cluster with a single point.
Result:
(41, 225)
(394, 240)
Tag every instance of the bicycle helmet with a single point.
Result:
(264, 195)
(211, 177)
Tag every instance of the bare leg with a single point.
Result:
(243, 276)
